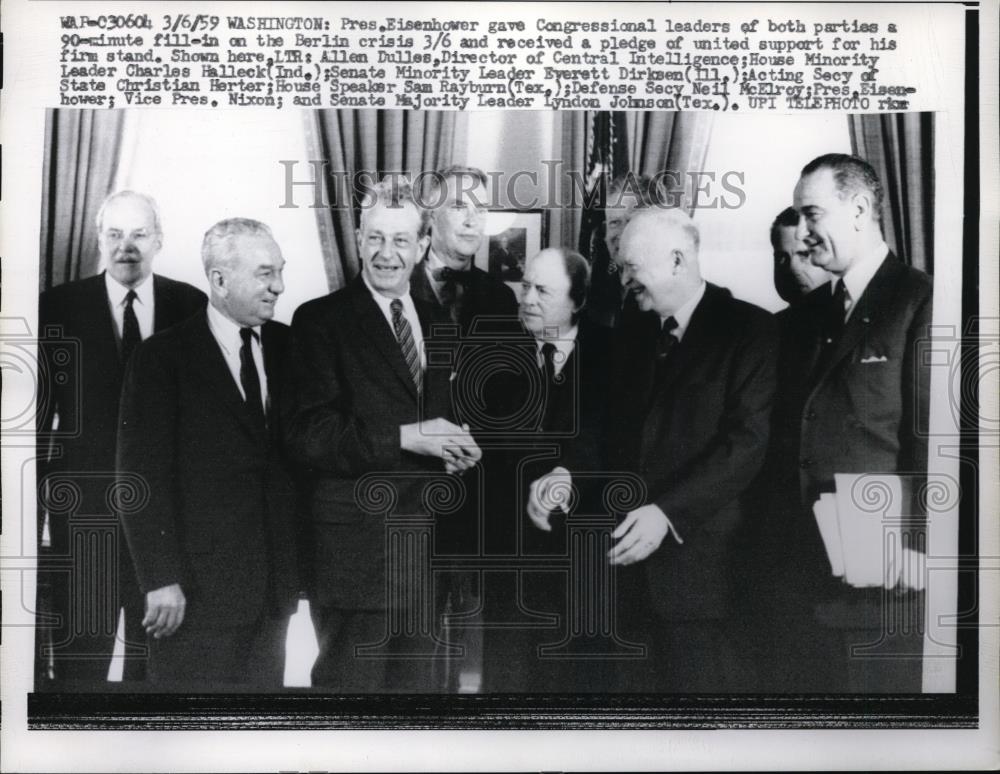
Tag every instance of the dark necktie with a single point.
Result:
(404, 335)
(453, 284)
(836, 312)
(548, 362)
(130, 328)
(248, 375)
(665, 343)
(832, 326)
(667, 340)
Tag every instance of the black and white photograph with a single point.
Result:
(301, 483)
(486, 417)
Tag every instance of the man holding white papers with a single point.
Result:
(855, 400)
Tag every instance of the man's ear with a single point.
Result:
(678, 262)
(217, 281)
(422, 244)
(862, 203)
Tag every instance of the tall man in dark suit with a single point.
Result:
(485, 311)
(214, 546)
(854, 400)
(361, 400)
(690, 412)
(448, 277)
(106, 316)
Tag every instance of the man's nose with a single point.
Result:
(801, 230)
(530, 296)
(277, 285)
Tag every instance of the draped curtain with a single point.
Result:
(82, 149)
(900, 146)
(674, 141)
(651, 142)
(358, 146)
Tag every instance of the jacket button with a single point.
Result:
(811, 415)
(805, 462)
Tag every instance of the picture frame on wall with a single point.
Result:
(512, 236)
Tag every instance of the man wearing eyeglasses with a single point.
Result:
(105, 317)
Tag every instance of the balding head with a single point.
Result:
(659, 256)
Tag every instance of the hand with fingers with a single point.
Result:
(639, 535)
(546, 494)
(438, 437)
(164, 610)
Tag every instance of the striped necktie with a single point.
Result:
(404, 335)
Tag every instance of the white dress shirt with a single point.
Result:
(409, 312)
(857, 277)
(227, 334)
(142, 306)
(683, 315)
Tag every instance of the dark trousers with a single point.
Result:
(357, 655)
(202, 657)
(818, 635)
(81, 591)
(685, 657)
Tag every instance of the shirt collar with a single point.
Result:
(226, 331)
(857, 277)
(385, 303)
(434, 262)
(117, 291)
(563, 344)
(684, 314)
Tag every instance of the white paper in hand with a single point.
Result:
(825, 510)
(869, 509)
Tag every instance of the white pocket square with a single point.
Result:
(874, 359)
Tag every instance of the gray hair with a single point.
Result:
(851, 175)
(217, 247)
(673, 218)
(149, 201)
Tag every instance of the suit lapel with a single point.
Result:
(210, 363)
(420, 287)
(161, 305)
(693, 343)
(374, 325)
(866, 309)
(644, 359)
(104, 347)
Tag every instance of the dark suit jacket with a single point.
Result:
(698, 442)
(572, 416)
(85, 390)
(349, 391)
(485, 297)
(220, 517)
(865, 409)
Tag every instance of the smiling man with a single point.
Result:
(362, 401)
(448, 278)
(852, 371)
(214, 544)
(690, 408)
(106, 315)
